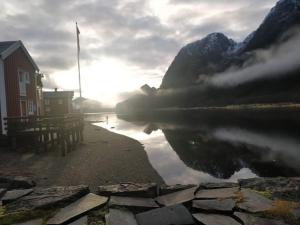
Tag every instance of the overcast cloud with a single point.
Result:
(140, 33)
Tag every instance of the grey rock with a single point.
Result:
(120, 217)
(175, 215)
(218, 185)
(280, 187)
(223, 205)
(215, 219)
(177, 197)
(48, 197)
(217, 193)
(168, 189)
(296, 213)
(16, 182)
(2, 192)
(129, 189)
(13, 195)
(32, 222)
(249, 219)
(78, 208)
(131, 202)
(253, 202)
(81, 221)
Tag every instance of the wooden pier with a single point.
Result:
(64, 132)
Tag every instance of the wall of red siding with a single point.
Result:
(15, 61)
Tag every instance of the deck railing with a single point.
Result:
(45, 132)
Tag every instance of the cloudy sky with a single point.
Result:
(124, 43)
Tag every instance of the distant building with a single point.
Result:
(58, 102)
(20, 82)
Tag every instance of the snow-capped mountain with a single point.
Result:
(216, 52)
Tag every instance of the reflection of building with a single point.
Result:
(19, 82)
(58, 102)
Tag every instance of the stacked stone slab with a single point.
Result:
(148, 204)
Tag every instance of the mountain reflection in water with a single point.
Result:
(193, 147)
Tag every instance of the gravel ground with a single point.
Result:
(103, 158)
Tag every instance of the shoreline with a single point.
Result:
(103, 158)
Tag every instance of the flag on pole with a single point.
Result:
(78, 51)
(77, 32)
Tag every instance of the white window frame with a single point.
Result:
(30, 107)
(23, 77)
(27, 77)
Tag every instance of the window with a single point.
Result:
(27, 77)
(22, 82)
(47, 102)
(30, 107)
(60, 101)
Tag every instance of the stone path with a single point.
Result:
(217, 193)
(13, 195)
(177, 197)
(129, 189)
(215, 219)
(175, 215)
(253, 202)
(149, 204)
(131, 202)
(78, 208)
(221, 205)
(117, 217)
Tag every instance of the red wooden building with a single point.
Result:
(58, 102)
(20, 82)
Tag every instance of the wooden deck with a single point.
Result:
(45, 132)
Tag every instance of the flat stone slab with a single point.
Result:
(120, 217)
(2, 192)
(32, 222)
(16, 182)
(81, 221)
(217, 193)
(222, 205)
(177, 197)
(215, 219)
(175, 215)
(48, 197)
(129, 189)
(280, 187)
(78, 208)
(249, 219)
(168, 189)
(296, 213)
(13, 195)
(147, 203)
(218, 185)
(253, 202)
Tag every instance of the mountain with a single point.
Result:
(215, 53)
(188, 80)
(205, 56)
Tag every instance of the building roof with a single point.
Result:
(58, 94)
(4, 45)
(9, 47)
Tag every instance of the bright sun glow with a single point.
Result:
(105, 80)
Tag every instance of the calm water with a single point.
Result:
(193, 148)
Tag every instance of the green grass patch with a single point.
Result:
(23, 216)
(266, 194)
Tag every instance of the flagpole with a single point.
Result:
(78, 58)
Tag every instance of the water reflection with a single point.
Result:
(197, 148)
